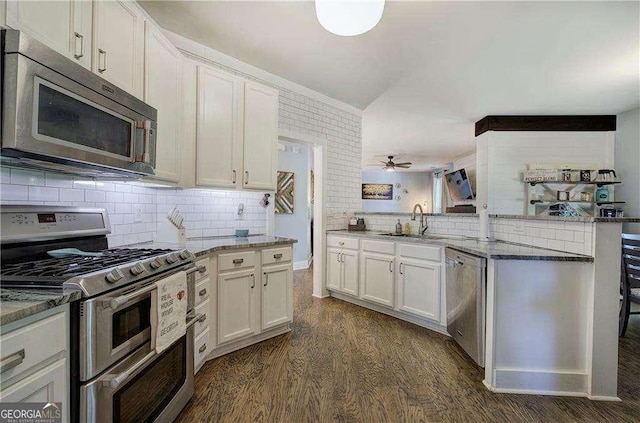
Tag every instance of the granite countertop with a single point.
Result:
(596, 219)
(203, 246)
(16, 304)
(498, 250)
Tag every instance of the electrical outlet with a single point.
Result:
(137, 213)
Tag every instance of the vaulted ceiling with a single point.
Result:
(429, 70)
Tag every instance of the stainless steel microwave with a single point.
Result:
(59, 116)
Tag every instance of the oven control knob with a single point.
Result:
(155, 264)
(185, 255)
(137, 269)
(114, 276)
(172, 258)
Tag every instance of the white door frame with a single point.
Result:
(319, 146)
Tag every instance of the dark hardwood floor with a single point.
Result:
(344, 363)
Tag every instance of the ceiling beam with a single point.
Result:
(546, 123)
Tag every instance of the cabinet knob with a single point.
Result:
(277, 256)
(238, 261)
(202, 348)
(202, 292)
(341, 243)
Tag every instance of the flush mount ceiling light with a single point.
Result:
(349, 17)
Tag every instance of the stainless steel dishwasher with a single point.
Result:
(466, 302)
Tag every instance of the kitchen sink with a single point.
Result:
(393, 234)
(426, 237)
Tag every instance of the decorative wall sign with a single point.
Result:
(284, 193)
(377, 191)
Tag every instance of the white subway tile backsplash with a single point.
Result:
(13, 193)
(43, 194)
(27, 177)
(70, 195)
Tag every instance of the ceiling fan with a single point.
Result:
(390, 166)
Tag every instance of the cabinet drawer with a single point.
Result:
(201, 348)
(233, 261)
(202, 290)
(32, 344)
(277, 255)
(203, 323)
(382, 247)
(342, 242)
(422, 252)
(204, 263)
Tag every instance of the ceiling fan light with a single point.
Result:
(349, 17)
(390, 169)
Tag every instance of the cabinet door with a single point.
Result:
(334, 268)
(277, 293)
(65, 26)
(236, 297)
(420, 288)
(260, 136)
(377, 278)
(46, 385)
(119, 46)
(219, 129)
(350, 272)
(162, 71)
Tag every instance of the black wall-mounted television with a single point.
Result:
(458, 185)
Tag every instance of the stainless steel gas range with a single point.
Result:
(116, 374)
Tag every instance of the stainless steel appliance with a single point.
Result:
(466, 302)
(57, 115)
(116, 373)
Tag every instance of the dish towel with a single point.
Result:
(169, 311)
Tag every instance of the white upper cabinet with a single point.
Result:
(260, 136)
(119, 45)
(219, 129)
(162, 90)
(236, 132)
(65, 26)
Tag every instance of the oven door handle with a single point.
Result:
(194, 269)
(116, 381)
(194, 320)
(123, 299)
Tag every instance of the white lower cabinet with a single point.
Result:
(236, 298)
(35, 360)
(277, 295)
(419, 288)
(406, 279)
(378, 278)
(343, 270)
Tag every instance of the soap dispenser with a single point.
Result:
(398, 227)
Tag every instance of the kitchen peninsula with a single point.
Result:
(551, 315)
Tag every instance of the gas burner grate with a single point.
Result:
(57, 270)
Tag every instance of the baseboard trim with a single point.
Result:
(320, 296)
(300, 265)
(517, 381)
(390, 312)
(242, 343)
(603, 398)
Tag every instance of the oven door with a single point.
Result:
(49, 116)
(145, 387)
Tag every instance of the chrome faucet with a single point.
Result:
(423, 224)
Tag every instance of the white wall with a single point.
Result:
(503, 156)
(628, 165)
(419, 185)
(297, 224)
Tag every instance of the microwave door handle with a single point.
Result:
(145, 125)
(115, 381)
(123, 299)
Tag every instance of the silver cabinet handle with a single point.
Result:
(233, 180)
(266, 279)
(238, 261)
(75, 49)
(253, 282)
(202, 292)
(277, 256)
(401, 271)
(119, 301)
(102, 55)
(391, 266)
(11, 361)
(202, 349)
(116, 381)
(202, 319)
(341, 243)
(246, 177)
